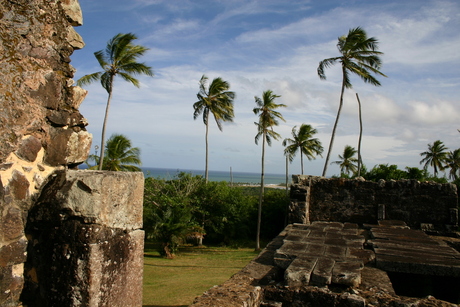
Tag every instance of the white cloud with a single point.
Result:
(260, 45)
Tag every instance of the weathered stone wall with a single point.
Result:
(86, 243)
(41, 129)
(358, 201)
(67, 237)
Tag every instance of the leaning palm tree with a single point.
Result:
(268, 118)
(217, 100)
(304, 142)
(435, 156)
(359, 56)
(453, 163)
(118, 58)
(119, 155)
(347, 161)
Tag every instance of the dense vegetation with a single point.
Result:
(187, 207)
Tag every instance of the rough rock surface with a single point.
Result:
(357, 201)
(41, 129)
(282, 274)
(87, 246)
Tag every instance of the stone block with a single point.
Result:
(73, 12)
(347, 273)
(12, 225)
(13, 253)
(322, 273)
(74, 39)
(116, 271)
(111, 199)
(18, 186)
(29, 149)
(78, 95)
(299, 272)
(68, 147)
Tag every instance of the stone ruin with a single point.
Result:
(73, 238)
(344, 248)
(67, 237)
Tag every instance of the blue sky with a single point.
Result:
(277, 45)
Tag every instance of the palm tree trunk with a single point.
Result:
(207, 151)
(335, 126)
(261, 195)
(287, 192)
(360, 135)
(301, 162)
(287, 175)
(104, 125)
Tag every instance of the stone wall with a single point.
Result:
(41, 129)
(427, 204)
(74, 235)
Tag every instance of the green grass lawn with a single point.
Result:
(178, 281)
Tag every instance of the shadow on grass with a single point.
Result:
(192, 266)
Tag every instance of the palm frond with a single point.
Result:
(88, 79)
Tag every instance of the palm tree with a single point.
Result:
(347, 161)
(119, 155)
(435, 156)
(268, 118)
(360, 161)
(359, 56)
(218, 101)
(304, 142)
(453, 162)
(118, 58)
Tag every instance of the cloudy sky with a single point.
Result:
(258, 45)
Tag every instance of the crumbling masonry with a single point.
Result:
(67, 237)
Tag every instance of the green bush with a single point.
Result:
(187, 206)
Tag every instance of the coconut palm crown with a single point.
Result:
(347, 161)
(359, 56)
(118, 58)
(304, 142)
(119, 155)
(435, 156)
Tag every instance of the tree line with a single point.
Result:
(359, 55)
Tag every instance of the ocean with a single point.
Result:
(238, 177)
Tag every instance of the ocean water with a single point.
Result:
(237, 177)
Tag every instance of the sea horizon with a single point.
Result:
(232, 177)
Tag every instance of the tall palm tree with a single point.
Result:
(359, 56)
(119, 155)
(435, 156)
(304, 142)
(268, 118)
(118, 58)
(347, 161)
(217, 100)
(453, 162)
(360, 161)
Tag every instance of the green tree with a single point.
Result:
(347, 161)
(304, 142)
(217, 100)
(453, 163)
(167, 213)
(268, 118)
(435, 156)
(119, 155)
(385, 172)
(359, 56)
(119, 58)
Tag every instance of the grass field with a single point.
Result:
(178, 281)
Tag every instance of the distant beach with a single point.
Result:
(235, 177)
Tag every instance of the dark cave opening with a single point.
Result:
(417, 285)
